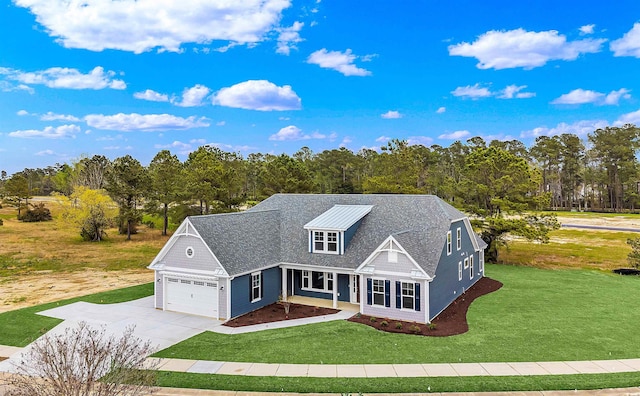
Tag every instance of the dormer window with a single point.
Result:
(331, 232)
(325, 242)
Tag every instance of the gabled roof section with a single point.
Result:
(339, 217)
(242, 241)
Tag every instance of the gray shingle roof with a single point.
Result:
(273, 231)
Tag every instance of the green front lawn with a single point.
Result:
(539, 315)
(396, 385)
(22, 326)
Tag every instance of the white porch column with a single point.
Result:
(426, 301)
(284, 283)
(335, 290)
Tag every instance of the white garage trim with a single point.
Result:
(191, 294)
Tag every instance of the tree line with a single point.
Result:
(486, 179)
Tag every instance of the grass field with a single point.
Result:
(574, 248)
(539, 315)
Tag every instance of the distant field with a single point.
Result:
(42, 262)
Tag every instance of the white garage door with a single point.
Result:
(192, 296)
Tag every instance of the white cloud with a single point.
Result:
(346, 140)
(441, 110)
(419, 140)
(45, 152)
(144, 123)
(180, 147)
(288, 38)
(629, 118)
(383, 139)
(151, 96)
(339, 61)
(143, 25)
(61, 132)
(457, 135)
(472, 91)
(50, 116)
(628, 44)
(22, 113)
(292, 132)
(63, 77)
(586, 29)
(513, 91)
(391, 114)
(259, 95)
(582, 96)
(221, 123)
(580, 128)
(118, 148)
(193, 96)
(5, 86)
(520, 48)
(109, 138)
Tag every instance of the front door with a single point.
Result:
(355, 289)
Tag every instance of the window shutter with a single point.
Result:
(417, 292)
(369, 291)
(398, 295)
(387, 293)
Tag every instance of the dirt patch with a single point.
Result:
(3, 358)
(29, 290)
(451, 321)
(275, 313)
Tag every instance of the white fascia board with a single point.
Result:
(167, 246)
(317, 268)
(178, 270)
(472, 235)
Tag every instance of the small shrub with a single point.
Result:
(432, 326)
(415, 329)
(384, 323)
(1, 222)
(372, 319)
(399, 325)
(358, 315)
(38, 213)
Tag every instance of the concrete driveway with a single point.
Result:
(162, 328)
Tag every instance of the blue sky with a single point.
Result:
(271, 76)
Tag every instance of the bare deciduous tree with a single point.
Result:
(84, 361)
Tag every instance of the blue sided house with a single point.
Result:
(403, 257)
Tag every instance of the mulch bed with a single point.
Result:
(275, 313)
(452, 321)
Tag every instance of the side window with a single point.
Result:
(466, 263)
(448, 243)
(459, 270)
(471, 267)
(458, 238)
(256, 286)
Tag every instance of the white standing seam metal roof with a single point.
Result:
(339, 217)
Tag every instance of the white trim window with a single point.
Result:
(471, 267)
(458, 238)
(189, 252)
(466, 262)
(481, 260)
(449, 243)
(325, 242)
(378, 292)
(408, 295)
(317, 281)
(459, 270)
(256, 286)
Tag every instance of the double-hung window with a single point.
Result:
(459, 270)
(458, 238)
(378, 292)
(471, 267)
(256, 286)
(448, 243)
(325, 241)
(481, 259)
(408, 295)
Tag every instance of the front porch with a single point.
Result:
(321, 302)
(321, 287)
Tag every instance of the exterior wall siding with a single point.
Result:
(240, 298)
(159, 290)
(392, 312)
(222, 298)
(381, 263)
(446, 287)
(201, 260)
(350, 232)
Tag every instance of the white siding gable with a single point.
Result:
(390, 258)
